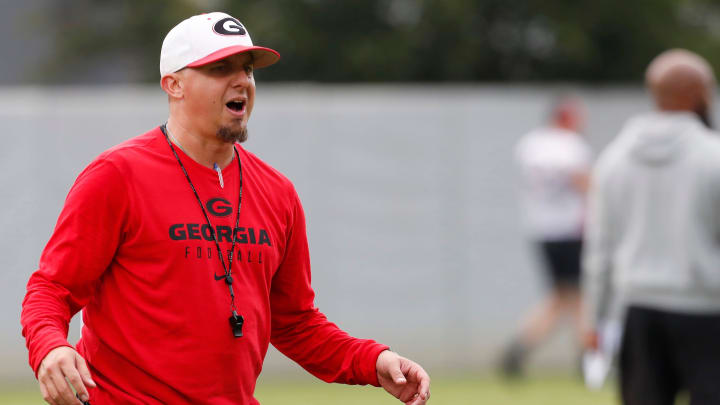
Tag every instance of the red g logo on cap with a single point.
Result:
(229, 26)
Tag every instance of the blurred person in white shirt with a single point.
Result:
(554, 161)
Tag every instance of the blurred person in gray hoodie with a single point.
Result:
(653, 239)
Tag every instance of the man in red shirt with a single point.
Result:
(189, 256)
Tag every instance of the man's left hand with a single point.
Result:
(403, 378)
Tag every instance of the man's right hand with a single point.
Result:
(62, 367)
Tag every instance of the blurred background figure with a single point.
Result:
(652, 239)
(554, 162)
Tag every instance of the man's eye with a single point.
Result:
(249, 69)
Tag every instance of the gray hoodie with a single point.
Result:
(653, 229)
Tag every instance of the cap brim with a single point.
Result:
(262, 57)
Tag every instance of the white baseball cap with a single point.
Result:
(206, 38)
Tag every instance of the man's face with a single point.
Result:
(219, 97)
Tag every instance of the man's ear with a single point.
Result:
(172, 84)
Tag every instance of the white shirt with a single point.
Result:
(549, 159)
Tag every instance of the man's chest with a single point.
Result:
(200, 230)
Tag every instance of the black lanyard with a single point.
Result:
(236, 320)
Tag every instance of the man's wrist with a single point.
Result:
(44, 350)
(368, 373)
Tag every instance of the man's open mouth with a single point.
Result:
(236, 106)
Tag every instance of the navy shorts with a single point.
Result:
(562, 261)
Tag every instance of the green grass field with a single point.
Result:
(445, 391)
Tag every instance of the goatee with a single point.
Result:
(230, 135)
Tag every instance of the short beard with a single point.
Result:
(230, 135)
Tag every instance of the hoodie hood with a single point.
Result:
(659, 138)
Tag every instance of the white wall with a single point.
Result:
(409, 194)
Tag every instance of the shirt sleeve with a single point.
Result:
(90, 227)
(598, 250)
(303, 333)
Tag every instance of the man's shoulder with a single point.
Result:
(702, 142)
(536, 134)
(542, 136)
(710, 138)
(707, 144)
(529, 142)
(133, 147)
(612, 157)
(124, 155)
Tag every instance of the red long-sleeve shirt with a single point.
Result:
(132, 248)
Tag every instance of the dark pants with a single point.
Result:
(562, 262)
(664, 353)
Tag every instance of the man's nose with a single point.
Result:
(241, 78)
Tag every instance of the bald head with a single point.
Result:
(681, 80)
(568, 112)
